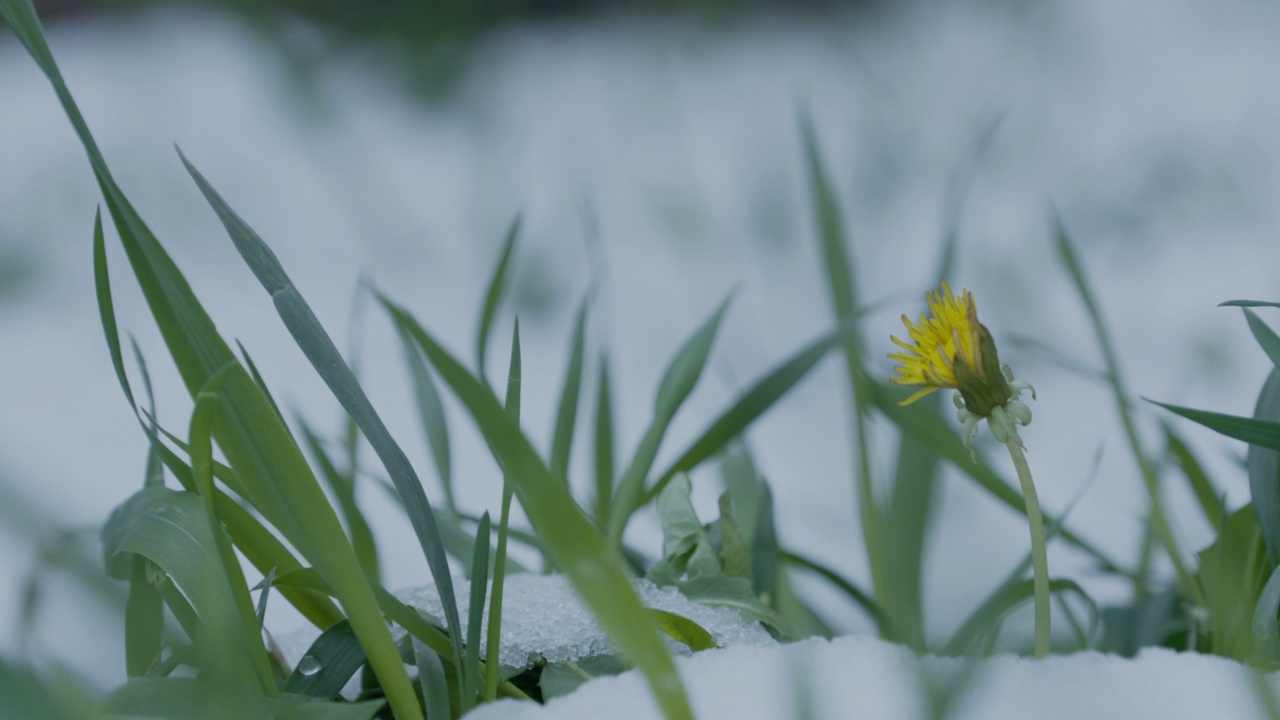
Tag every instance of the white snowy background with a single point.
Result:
(1153, 127)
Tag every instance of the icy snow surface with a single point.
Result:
(543, 617)
(860, 678)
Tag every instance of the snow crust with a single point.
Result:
(542, 617)
(862, 678)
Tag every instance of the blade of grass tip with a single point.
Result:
(677, 383)
(493, 296)
(493, 641)
(570, 539)
(316, 344)
(201, 442)
(258, 380)
(567, 412)
(431, 415)
(1147, 468)
(265, 586)
(844, 300)
(344, 490)
(475, 617)
(1201, 486)
(749, 406)
(603, 456)
(155, 468)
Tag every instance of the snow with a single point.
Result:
(862, 678)
(542, 617)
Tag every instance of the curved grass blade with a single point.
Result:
(751, 405)
(435, 686)
(989, 614)
(253, 439)
(858, 595)
(567, 412)
(344, 490)
(431, 414)
(1266, 337)
(1262, 433)
(328, 664)
(315, 343)
(472, 682)
(677, 382)
(493, 296)
(570, 539)
(1207, 496)
(1263, 466)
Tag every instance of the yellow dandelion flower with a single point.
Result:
(948, 335)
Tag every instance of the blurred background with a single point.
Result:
(654, 149)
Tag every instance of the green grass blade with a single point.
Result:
(328, 664)
(1266, 337)
(1263, 466)
(493, 296)
(567, 412)
(472, 683)
(568, 536)
(258, 379)
(1266, 634)
(988, 615)
(859, 596)
(603, 455)
(316, 344)
(1207, 496)
(431, 414)
(256, 444)
(677, 382)
(435, 686)
(1147, 468)
(1263, 433)
(753, 403)
(344, 490)
(143, 620)
(844, 300)
(494, 635)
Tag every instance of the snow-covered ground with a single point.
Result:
(1151, 125)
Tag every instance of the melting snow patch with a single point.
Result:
(542, 617)
(865, 678)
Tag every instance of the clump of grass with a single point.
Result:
(190, 606)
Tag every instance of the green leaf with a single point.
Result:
(1262, 433)
(472, 683)
(435, 686)
(677, 382)
(493, 637)
(1266, 634)
(493, 296)
(1266, 337)
(753, 403)
(172, 530)
(1249, 303)
(143, 620)
(23, 695)
(987, 617)
(683, 630)
(431, 414)
(1263, 465)
(560, 679)
(1207, 496)
(324, 356)
(1231, 573)
(686, 549)
(567, 412)
(569, 538)
(604, 469)
(328, 664)
(846, 586)
(343, 488)
(736, 593)
(735, 557)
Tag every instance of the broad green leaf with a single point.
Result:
(560, 679)
(493, 296)
(1232, 572)
(324, 356)
(686, 549)
(567, 412)
(683, 630)
(736, 593)
(1263, 464)
(677, 382)
(753, 403)
(735, 557)
(569, 538)
(328, 664)
(172, 529)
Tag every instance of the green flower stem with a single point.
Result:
(1039, 553)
